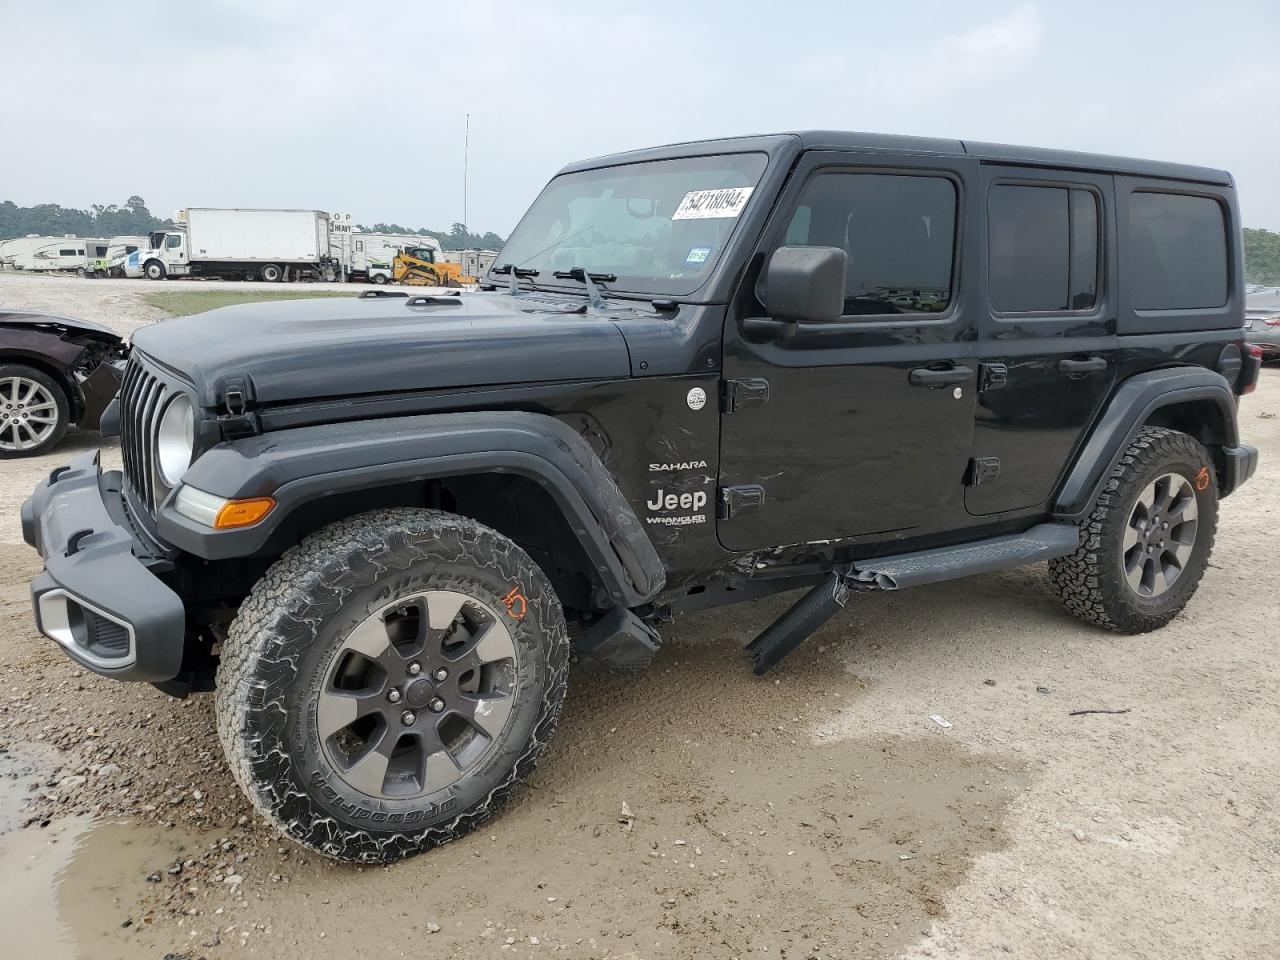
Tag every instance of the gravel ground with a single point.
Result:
(817, 813)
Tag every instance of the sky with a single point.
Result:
(361, 108)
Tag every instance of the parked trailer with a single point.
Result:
(21, 247)
(372, 254)
(111, 263)
(62, 254)
(242, 244)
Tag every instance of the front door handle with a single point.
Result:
(939, 377)
(1071, 368)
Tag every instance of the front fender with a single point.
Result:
(1130, 407)
(301, 465)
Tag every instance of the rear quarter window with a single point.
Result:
(1178, 252)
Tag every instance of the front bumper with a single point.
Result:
(99, 597)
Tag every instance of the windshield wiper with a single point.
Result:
(587, 280)
(516, 273)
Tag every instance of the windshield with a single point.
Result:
(656, 227)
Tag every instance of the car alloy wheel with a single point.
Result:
(417, 694)
(28, 414)
(1160, 535)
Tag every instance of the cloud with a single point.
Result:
(1001, 46)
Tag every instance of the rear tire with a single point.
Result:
(380, 279)
(272, 273)
(450, 615)
(1147, 540)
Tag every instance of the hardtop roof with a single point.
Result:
(838, 140)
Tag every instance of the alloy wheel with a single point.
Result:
(417, 694)
(1160, 535)
(28, 413)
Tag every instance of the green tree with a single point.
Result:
(50, 219)
(1262, 257)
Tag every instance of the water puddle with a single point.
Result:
(75, 887)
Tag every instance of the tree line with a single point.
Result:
(132, 218)
(1262, 257)
(53, 220)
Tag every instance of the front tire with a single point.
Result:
(154, 270)
(389, 682)
(1148, 538)
(34, 412)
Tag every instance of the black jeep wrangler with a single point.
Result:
(697, 374)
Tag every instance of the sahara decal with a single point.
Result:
(673, 467)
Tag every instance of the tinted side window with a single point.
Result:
(1042, 247)
(173, 242)
(66, 253)
(899, 232)
(1178, 252)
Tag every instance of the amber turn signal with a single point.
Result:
(242, 513)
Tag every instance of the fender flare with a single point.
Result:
(1131, 406)
(304, 464)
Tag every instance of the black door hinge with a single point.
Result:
(733, 500)
(981, 469)
(992, 376)
(736, 394)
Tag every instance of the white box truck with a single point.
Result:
(241, 244)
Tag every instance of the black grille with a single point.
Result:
(142, 396)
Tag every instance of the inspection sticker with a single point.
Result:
(725, 203)
(698, 255)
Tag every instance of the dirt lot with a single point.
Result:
(817, 813)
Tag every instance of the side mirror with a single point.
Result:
(806, 284)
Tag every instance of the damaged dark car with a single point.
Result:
(55, 372)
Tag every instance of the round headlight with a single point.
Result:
(176, 439)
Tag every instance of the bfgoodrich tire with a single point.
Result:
(389, 682)
(1148, 538)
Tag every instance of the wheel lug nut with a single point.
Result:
(436, 704)
(440, 674)
(408, 717)
(393, 695)
(414, 669)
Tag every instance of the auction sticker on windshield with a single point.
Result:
(725, 203)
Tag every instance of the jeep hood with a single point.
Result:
(294, 350)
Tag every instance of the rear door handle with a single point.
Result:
(940, 377)
(1071, 368)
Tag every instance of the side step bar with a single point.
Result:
(800, 620)
(1042, 542)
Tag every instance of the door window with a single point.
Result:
(1042, 245)
(898, 230)
(174, 241)
(1179, 252)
